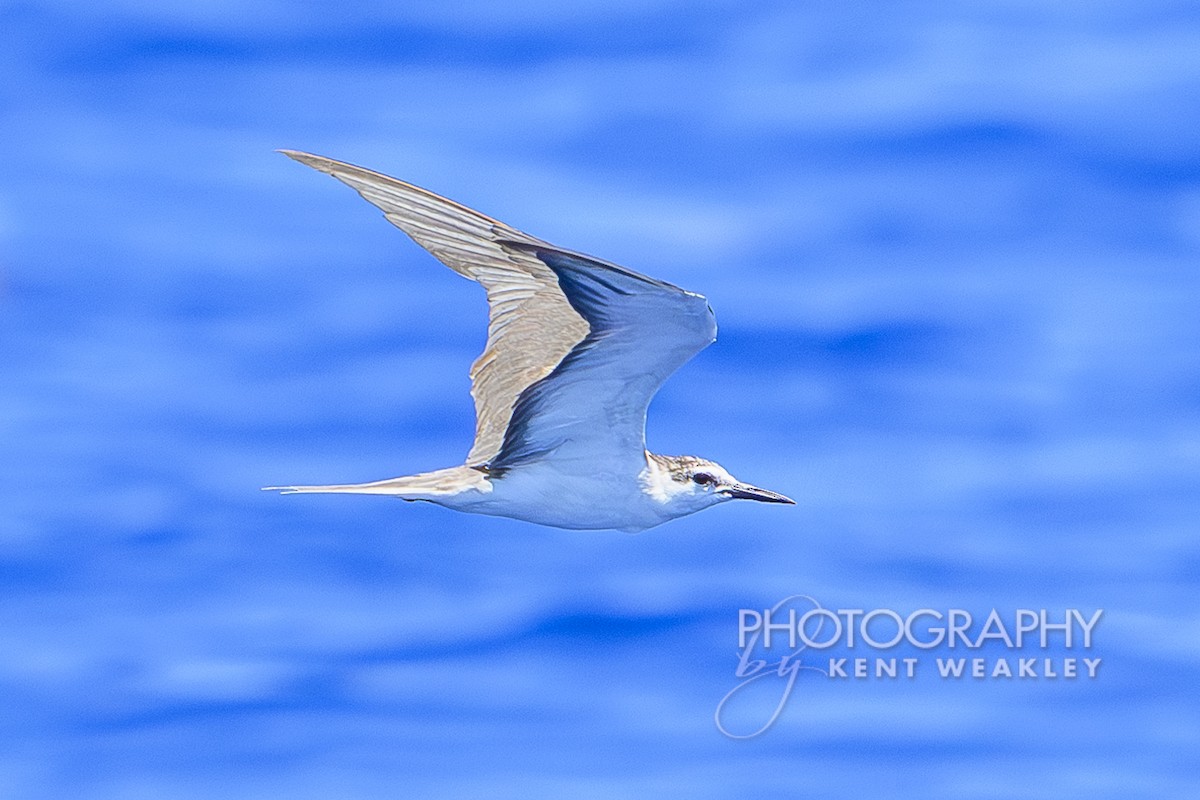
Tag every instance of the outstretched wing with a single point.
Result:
(589, 414)
(531, 324)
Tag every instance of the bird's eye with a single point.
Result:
(703, 478)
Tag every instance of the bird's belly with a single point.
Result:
(575, 502)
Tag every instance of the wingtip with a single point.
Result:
(280, 489)
(309, 159)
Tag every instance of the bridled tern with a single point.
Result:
(576, 349)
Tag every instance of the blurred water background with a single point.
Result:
(952, 248)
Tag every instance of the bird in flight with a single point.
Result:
(576, 349)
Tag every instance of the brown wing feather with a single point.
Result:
(531, 325)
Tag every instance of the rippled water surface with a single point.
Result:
(953, 252)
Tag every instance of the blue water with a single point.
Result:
(953, 252)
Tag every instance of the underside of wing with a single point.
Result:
(591, 409)
(531, 325)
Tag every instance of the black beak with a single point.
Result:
(744, 491)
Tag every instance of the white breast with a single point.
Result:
(584, 501)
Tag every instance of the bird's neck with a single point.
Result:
(658, 482)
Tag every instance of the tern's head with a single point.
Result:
(689, 484)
